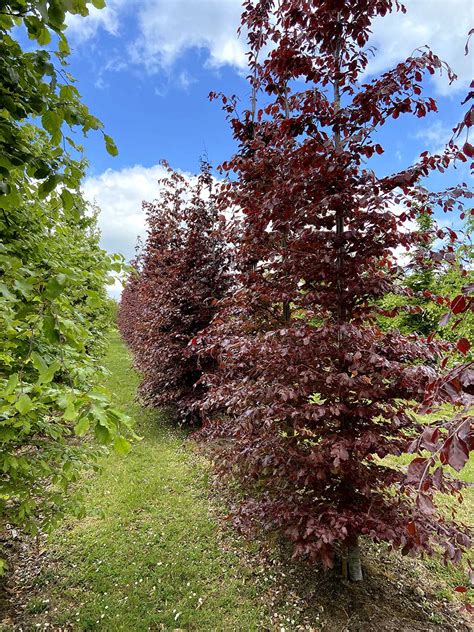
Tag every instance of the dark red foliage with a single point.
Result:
(171, 296)
(129, 309)
(313, 392)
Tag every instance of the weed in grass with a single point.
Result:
(37, 606)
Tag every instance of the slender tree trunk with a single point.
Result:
(353, 561)
(339, 208)
(344, 565)
(351, 564)
(286, 305)
(351, 568)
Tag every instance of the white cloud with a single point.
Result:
(168, 80)
(114, 289)
(120, 194)
(170, 27)
(114, 64)
(444, 26)
(435, 137)
(81, 29)
(185, 80)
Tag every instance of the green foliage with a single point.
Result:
(54, 311)
(155, 559)
(446, 281)
(36, 86)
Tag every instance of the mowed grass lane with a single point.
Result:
(152, 560)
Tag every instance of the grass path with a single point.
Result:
(153, 561)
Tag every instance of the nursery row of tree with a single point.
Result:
(54, 309)
(293, 308)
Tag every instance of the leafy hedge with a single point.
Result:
(304, 392)
(54, 310)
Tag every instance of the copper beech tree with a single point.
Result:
(178, 276)
(310, 394)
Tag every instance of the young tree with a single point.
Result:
(130, 309)
(315, 394)
(180, 274)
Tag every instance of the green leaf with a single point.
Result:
(56, 14)
(102, 434)
(42, 172)
(6, 164)
(121, 445)
(4, 291)
(99, 4)
(24, 285)
(42, 6)
(94, 301)
(11, 384)
(68, 93)
(50, 330)
(39, 362)
(82, 426)
(55, 286)
(64, 46)
(6, 434)
(10, 201)
(98, 397)
(110, 146)
(48, 185)
(52, 122)
(24, 404)
(47, 375)
(44, 37)
(70, 412)
(67, 199)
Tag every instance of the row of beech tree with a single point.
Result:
(267, 326)
(54, 309)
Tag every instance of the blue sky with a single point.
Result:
(146, 68)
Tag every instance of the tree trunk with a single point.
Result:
(353, 562)
(339, 210)
(351, 566)
(286, 305)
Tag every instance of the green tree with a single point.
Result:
(54, 311)
(419, 311)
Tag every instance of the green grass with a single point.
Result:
(153, 561)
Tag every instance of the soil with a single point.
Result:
(395, 596)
